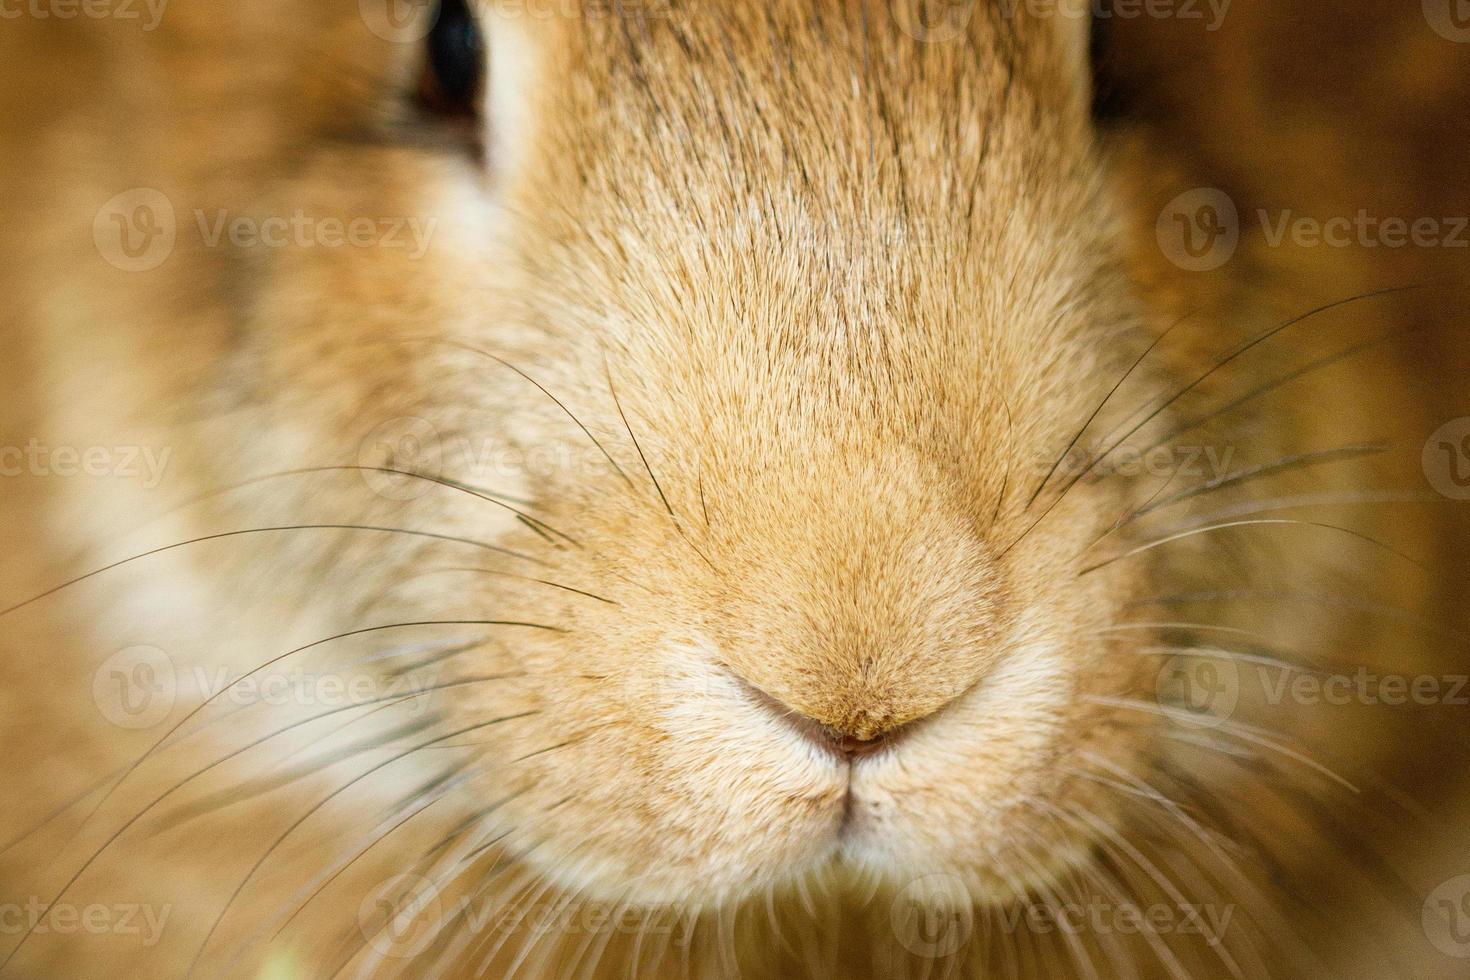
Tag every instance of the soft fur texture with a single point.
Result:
(711, 418)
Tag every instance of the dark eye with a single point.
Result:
(453, 59)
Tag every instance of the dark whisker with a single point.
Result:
(559, 404)
(678, 525)
(1286, 464)
(63, 808)
(1275, 383)
(1098, 410)
(430, 535)
(1246, 348)
(448, 653)
(360, 854)
(247, 790)
(1005, 483)
(1126, 518)
(275, 660)
(97, 854)
(1173, 399)
(703, 505)
(528, 578)
(250, 875)
(534, 523)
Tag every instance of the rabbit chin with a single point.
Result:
(748, 804)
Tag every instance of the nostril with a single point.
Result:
(857, 748)
(835, 740)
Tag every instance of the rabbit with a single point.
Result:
(587, 489)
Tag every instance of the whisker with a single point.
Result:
(678, 525)
(1356, 603)
(608, 456)
(1166, 956)
(1098, 410)
(63, 808)
(1122, 518)
(147, 809)
(534, 523)
(374, 843)
(703, 504)
(1133, 784)
(431, 649)
(1173, 399)
(1191, 532)
(274, 660)
(527, 578)
(1005, 483)
(430, 535)
(1275, 383)
(248, 790)
(1184, 626)
(1342, 499)
(1235, 729)
(327, 878)
(1235, 656)
(1285, 464)
(318, 806)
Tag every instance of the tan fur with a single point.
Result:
(767, 320)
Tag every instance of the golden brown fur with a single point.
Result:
(730, 379)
